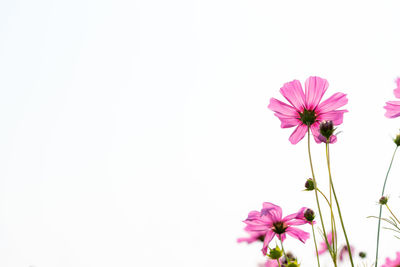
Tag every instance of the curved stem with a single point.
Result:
(380, 209)
(394, 216)
(337, 204)
(316, 194)
(315, 243)
(284, 253)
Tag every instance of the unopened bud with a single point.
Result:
(383, 200)
(309, 185)
(396, 140)
(326, 129)
(275, 253)
(362, 255)
(309, 215)
(293, 264)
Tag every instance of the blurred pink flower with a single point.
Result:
(270, 222)
(345, 251)
(393, 107)
(323, 246)
(253, 236)
(306, 109)
(392, 263)
(272, 263)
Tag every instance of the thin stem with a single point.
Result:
(392, 213)
(315, 243)
(284, 253)
(380, 209)
(279, 263)
(337, 204)
(316, 194)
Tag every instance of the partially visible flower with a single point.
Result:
(345, 251)
(253, 236)
(271, 263)
(323, 246)
(393, 107)
(270, 222)
(306, 109)
(392, 263)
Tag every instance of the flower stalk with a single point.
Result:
(337, 203)
(380, 208)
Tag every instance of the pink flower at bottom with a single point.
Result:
(345, 251)
(393, 107)
(270, 222)
(323, 246)
(272, 263)
(392, 263)
(306, 109)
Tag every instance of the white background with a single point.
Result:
(136, 133)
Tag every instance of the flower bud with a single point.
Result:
(309, 215)
(362, 255)
(275, 253)
(326, 129)
(293, 264)
(309, 185)
(383, 200)
(396, 140)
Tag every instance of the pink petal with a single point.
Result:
(297, 233)
(334, 102)
(293, 92)
(336, 116)
(282, 108)
(287, 122)
(315, 89)
(271, 263)
(272, 211)
(298, 134)
(397, 90)
(297, 215)
(392, 109)
(268, 237)
(315, 131)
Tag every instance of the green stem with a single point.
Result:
(337, 204)
(380, 209)
(279, 263)
(316, 194)
(394, 216)
(284, 253)
(315, 243)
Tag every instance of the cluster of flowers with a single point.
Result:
(310, 116)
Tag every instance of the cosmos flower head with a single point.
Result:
(305, 109)
(393, 107)
(323, 247)
(392, 263)
(269, 221)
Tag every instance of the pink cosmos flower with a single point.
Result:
(323, 246)
(270, 222)
(392, 263)
(272, 263)
(345, 251)
(393, 107)
(306, 109)
(253, 236)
